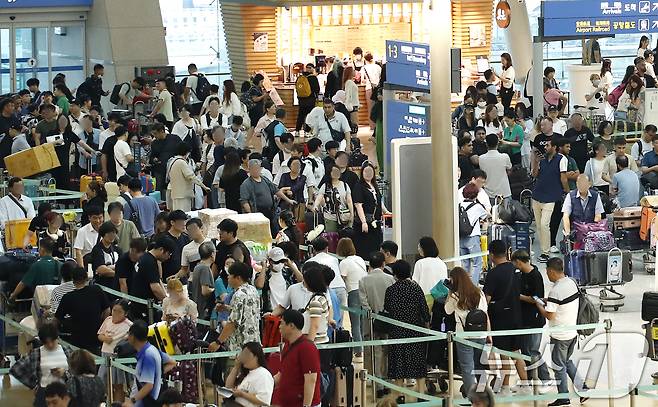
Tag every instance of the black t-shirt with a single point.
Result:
(231, 186)
(349, 177)
(105, 256)
(532, 284)
(38, 223)
(466, 169)
(80, 313)
(146, 273)
(225, 250)
(579, 145)
(5, 144)
(480, 147)
(502, 285)
(172, 265)
(59, 251)
(362, 194)
(163, 150)
(125, 268)
(108, 151)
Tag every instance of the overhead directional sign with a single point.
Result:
(408, 64)
(575, 18)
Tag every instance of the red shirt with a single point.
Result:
(298, 359)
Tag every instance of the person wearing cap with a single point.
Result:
(280, 274)
(177, 220)
(559, 125)
(177, 305)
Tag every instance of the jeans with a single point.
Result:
(468, 245)
(531, 347)
(353, 301)
(469, 358)
(341, 293)
(543, 213)
(563, 366)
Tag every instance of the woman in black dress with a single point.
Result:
(232, 177)
(293, 184)
(405, 301)
(63, 136)
(367, 200)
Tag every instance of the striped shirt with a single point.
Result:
(58, 293)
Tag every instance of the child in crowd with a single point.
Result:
(113, 330)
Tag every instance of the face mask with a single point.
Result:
(596, 83)
(482, 104)
(278, 267)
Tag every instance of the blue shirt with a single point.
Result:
(650, 159)
(149, 369)
(147, 208)
(279, 129)
(628, 187)
(338, 313)
(221, 289)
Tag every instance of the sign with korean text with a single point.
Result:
(404, 119)
(408, 64)
(599, 17)
(44, 3)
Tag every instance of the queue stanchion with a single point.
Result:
(451, 370)
(535, 379)
(372, 353)
(632, 393)
(200, 380)
(608, 351)
(149, 310)
(108, 372)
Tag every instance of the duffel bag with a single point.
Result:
(649, 306)
(599, 241)
(583, 229)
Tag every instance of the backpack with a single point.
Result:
(303, 87)
(476, 321)
(115, 98)
(587, 312)
(272, 148)
(465, 226)
(202, 90)
(613, 97)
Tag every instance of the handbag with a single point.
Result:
(381, 327)
(336, 135)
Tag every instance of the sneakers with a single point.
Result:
(505, 391)
(543, 258)
(554, 249)
(559, 403)
(544, 389)
(583, 399)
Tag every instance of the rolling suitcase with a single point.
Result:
(340, 398)
(649, 306)
(159, 337)
(85, 180)
(628, 218)
(575, 266)
(342, 356)
(271, 334)
(598, 267)
(630, 239)
(359, 388)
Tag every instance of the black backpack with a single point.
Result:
(115, 99)
(202, 90)
(465, 226)
(476, 321)
(272, 149)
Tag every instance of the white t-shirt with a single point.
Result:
(86, 239)
(475, 213)
(52, 360)
(166, 109)
(342, 191)
(121, 152)
(297, 297)
(508, 75)
(105, 134)
(635, 149)
(316, 120)
(258, 382)
(482, 198)
(190, 253)
(209, 122)
(330, 261)
(491, 128)
(191, 83)
(370, 75)
(353, 269)
(559, 126)
(496, 164)
(460, 314)
(278, 288)
(428, 271)
(565, 314)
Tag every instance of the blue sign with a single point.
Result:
(569, 27)
(403, 120)
(44, 3)
(408, 64)
(598, 8)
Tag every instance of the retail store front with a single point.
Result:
(41, 38)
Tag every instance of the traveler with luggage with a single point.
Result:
(474, 213)
(582, 205)
(308, 89)
(560, 308)
(532, 286)
(625, 184)
(649, 166)
(479, 179)
(469, 305)
(551, 184)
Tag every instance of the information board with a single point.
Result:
(598, 8)
(408, 64)
(565, 27)
(340, 40)
(404, 119)
(44, 3)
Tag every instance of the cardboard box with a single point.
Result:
(211, 218)
(254, 227)
(33, 161)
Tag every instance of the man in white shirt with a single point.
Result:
(644, 144)
(321, 248)
(496, 165)
(122, 153)
(314, 159)
(87, 236)
(287, 141)
(190, 255)
(561, 309)
(15, 205)
(75, 115)
(164, 104)
(114, 121)
(479, 179)
(323, 120)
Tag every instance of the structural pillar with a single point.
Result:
(444, 177)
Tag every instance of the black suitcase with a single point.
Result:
(342, 356)
(597, 267)
(649, 306)
(629, 239)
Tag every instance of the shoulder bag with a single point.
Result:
(13, 198)
(336, 135)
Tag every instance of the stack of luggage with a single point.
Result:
(627, 225)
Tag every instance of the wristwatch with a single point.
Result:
(133, 400)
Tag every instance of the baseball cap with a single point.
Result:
(276, 254)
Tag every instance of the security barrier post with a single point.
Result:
(632, 395)
(608, 351)
(451, 370)
(200, 380)
(149, 310)
(372, 355)
(108, 372)
(535, 379)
